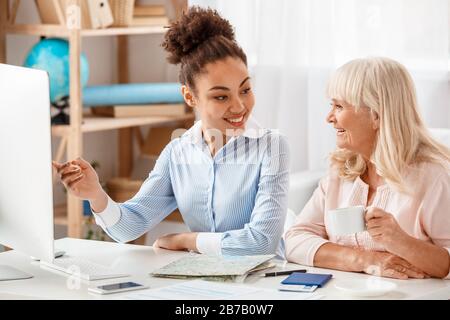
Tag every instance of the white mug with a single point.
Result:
(344, 221)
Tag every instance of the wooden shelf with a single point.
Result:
(93, 124)
(54, 30)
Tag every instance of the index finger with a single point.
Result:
(59, 166)
(411, 267)
(414, 274)
(392, 273)
(56, 165)
(404, 266)
(81, 162)
(373, 212)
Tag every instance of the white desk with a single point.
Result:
(139, 261)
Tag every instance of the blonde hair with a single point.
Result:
(386, 87)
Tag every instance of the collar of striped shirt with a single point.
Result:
(253, 130)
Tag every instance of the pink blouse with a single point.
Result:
(425, 215)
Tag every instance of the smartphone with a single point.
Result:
(117, 287)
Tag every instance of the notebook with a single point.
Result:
(307, 279)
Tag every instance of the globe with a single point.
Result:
(52, 55)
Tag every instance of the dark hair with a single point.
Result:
(199, 37)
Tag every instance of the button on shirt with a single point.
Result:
(236, 199)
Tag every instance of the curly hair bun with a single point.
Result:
(192, 29)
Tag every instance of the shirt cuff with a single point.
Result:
(314, 246)
(209, 243)
(108, 217)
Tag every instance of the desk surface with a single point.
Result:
(139, 261)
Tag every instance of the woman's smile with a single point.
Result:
(236, 121)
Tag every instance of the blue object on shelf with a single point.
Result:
(52, 55)
(132, 94)
(86, 208)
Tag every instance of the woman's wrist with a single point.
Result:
(398, 245)
(186, 241)
(190, 241)
(360, 260)
(99, 202)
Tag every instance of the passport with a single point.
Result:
(307, 279)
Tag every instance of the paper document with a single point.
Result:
(205, 290)
(193, 290)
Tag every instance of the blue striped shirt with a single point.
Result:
(236, 199)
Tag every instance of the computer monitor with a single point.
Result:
(26, 193)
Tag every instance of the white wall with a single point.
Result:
(147, 64)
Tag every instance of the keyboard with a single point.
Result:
(82, 268)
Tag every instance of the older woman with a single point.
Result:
(387, 161)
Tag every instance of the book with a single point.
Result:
(149, 10)
(50, 11)
(100, 14)
(127, 111)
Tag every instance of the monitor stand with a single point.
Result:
(10, 273)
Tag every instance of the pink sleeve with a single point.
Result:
(435, 214)
(308, 233)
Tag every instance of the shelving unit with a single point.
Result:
(51, 30)
(72, 135)
(93, 123)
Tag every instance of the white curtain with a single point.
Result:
(294, 45)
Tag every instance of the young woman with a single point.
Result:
(387, 161)
(226, 175)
